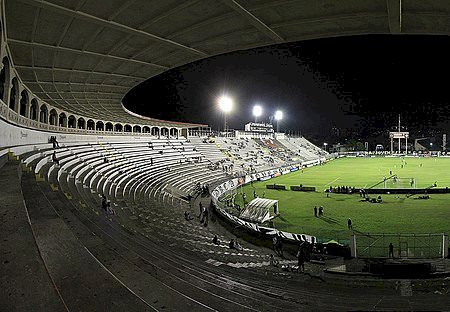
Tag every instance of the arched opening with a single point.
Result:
(4, 79)
(109, 127)
(90, 124)
(71, 121)
(173, 132)
(164, 132)
(155, 131)
(127, 128)
(14, 95)
(146, 129)
(99, 126)
(34, 110)
(43, 114)
(81, 123)
(62, 120)
(23, 103)
(118, 128)
(53, 117)
(137, 129)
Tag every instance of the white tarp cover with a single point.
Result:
(258, 210)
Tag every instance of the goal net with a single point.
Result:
(400, 183)
(405, 245)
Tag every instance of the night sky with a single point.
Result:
(328, 89)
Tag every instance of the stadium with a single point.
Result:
(106, 208)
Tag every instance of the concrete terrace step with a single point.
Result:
(21, 263)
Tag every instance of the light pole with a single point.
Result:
(257, 111)
(225, 105)
(278, 117)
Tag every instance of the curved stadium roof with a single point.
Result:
(83, 56)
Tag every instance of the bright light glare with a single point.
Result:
(225, 103)
(257, 110)
(278, 115)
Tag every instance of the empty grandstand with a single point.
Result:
(103, 209)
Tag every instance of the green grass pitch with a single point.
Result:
(397, 214)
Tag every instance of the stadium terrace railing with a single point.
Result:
(15, 118)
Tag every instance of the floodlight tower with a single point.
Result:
(225, 105)
(278, 117)
(257, 112)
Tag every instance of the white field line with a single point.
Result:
(332, 181)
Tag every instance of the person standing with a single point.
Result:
(391, 250)
(350, 224)
(315, 211)
(201, 209)
(280, 247)
(301, 260)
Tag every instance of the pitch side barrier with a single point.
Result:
(253, 229)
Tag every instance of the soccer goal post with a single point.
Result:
(400, 182)
(413, 246)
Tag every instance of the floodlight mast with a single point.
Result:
(226, 105)
(278, 117)
(257, 111)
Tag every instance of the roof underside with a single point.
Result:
(83, 56)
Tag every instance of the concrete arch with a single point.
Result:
(71, 122)
(14, 95)
(155, 131)
(118, 127)
(5, 79)
(43, 114)
(137, 129)
(34, 110)
(109, 127)
(90, 124)
(99, 126)
(174, 132)
(81, 123)
(146, 129)
(24, 103)
(164, 131)
(53, 117)
(62, 120)
(127, 128)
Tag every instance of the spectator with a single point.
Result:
(216, 240)
(391, 250)
(280, 246)
(274, 243)
(55, 159)
(187, 216)
(237, 246)
(231, 244)
(104, 202)
(201, 210)
(273, 262)
(301, 259)
(109, 210)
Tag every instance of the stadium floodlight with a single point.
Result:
(257, 111)
(278, 115)
(225, 104)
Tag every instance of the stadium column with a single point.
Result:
(406, 146)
